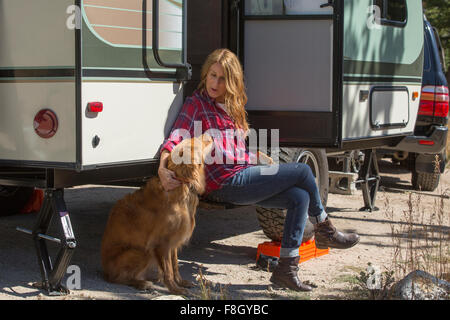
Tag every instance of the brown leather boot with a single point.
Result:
(285, 274)
(327, 236)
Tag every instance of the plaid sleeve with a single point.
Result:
(184, 124)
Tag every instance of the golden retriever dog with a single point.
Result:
(146, 228)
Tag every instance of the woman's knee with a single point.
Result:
(305, 178)
(306, 171)
(298, 197)
(300, 170)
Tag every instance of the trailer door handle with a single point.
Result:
(184, 69)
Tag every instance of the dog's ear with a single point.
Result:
(207, 144)
(206, 138)
(181, 153)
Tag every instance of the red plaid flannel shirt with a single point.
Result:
(200, 111)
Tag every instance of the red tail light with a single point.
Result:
(426, 142)
(434, 101)
(45, 123)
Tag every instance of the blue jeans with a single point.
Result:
(293, 187)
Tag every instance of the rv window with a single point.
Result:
(264, 7)
(284, 7)
(117, 38)
(426, 55)
(440, 48)
(392, 12)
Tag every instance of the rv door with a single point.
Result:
(133, 60)
(290, 69)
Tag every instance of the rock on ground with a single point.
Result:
(420, 285)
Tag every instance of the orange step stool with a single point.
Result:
(307, 250)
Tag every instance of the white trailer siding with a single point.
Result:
(136, 117)
(20, 103)
(35, 34)
(356, 125)
(37, 64)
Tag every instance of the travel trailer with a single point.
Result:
(90, 88)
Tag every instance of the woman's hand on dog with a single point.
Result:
(168, 179)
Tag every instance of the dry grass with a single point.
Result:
(421, 241)
(209, 290)
(421, 237)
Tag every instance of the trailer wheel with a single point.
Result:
(13, 199)
(272, 220)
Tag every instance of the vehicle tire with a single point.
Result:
(14, 199)
(425, 181)
(272, 220)
(318, 162)
(272, 223)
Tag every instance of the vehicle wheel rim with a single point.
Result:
(308, 158)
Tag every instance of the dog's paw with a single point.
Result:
(185, 283)
(178, 290)
(143, 285)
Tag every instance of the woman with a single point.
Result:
(218, 104)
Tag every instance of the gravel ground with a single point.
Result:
(223, 248)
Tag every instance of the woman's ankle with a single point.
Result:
(318, 219)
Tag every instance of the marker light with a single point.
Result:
(95, 107)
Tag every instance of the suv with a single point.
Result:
(420, 151)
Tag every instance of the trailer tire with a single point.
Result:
(272, 220)
(13, 199)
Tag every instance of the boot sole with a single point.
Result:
(282, 285)
(337, 247)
